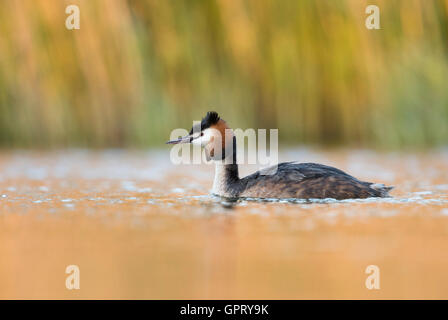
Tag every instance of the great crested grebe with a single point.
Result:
(290, 180)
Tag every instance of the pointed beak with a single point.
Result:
(186, 139)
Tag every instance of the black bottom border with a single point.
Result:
(224, 309)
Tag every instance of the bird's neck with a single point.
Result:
(226, 181)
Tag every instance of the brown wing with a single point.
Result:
(305, 180)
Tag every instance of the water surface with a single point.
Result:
(140, 227)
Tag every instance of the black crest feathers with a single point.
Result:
(210, 119)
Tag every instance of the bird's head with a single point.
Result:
(212, 134)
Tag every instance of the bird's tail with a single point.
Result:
(382, 189)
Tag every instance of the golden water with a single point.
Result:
(139, 227)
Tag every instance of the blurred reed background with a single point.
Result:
(138, 69)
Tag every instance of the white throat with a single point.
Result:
(226, 174)
(219, 182)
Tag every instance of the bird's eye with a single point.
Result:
(202, 133)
